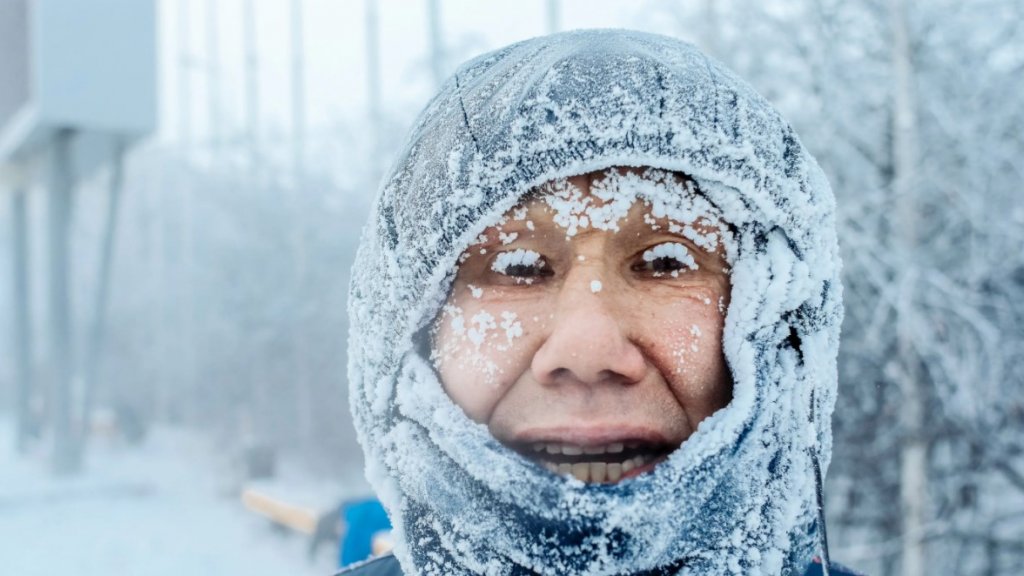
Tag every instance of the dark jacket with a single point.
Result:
(388, 566)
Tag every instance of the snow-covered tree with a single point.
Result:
(913, 110)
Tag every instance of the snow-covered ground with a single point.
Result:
(167, 508)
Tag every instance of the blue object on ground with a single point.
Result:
(363, 519)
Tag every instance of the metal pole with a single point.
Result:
(184, 84)
(553, 16)
(304, 396)
(213, 73)
(373, 87)
(298, 96)
(97, 330)
(22, 326)
(436, 42)
(64, 457)
(252, 87)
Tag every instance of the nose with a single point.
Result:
(587, 343)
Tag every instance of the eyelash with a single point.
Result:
(658, 259)
(526, 266)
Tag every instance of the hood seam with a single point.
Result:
(465, 116)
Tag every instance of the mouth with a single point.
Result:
(604, 463)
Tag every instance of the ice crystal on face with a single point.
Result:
(595, 286)
(479, 325)
(713, 163)
(511, 325)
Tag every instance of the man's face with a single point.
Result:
(586, 332)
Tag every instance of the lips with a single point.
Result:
(598, 463)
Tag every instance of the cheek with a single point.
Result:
(686, 344)
(481, 348)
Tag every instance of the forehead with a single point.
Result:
(615, 200)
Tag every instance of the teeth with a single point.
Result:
(575, 450)
(581, 471)
(614, 472)
(595, 472)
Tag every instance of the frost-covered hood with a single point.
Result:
(739, 497)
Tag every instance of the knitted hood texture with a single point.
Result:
(739, 496)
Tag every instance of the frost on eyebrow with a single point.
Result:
(673, 198)
(574, 210)
(666, 195)
(517, 257)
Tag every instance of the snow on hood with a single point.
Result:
(738, 497)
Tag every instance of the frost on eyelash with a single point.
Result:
(518, 257)
(672, 250)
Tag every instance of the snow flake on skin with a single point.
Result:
(472, 338)
(507, 238)
(480, 324)
(513, 329)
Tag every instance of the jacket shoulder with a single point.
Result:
(382, 566)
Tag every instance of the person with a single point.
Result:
(594, 322)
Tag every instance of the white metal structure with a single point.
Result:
(85, 66)
(77, 86)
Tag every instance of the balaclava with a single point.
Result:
(742, 494)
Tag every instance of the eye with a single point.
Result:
(669, 258)
(524, 266)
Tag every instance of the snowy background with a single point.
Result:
(224, 337)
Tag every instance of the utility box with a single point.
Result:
(84, 65)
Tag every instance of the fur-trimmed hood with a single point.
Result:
(740, 495)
